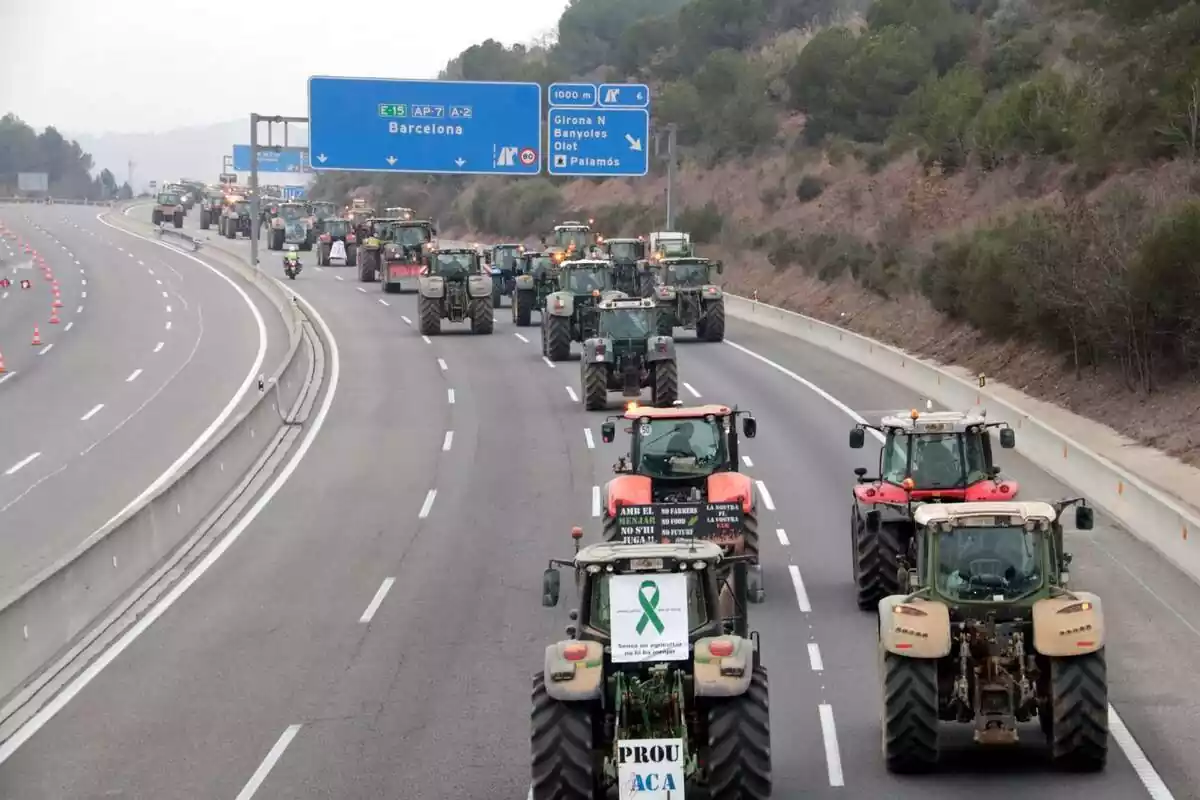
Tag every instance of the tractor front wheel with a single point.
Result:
(566, 763)
(666, 383)
(739, 743)
(557, 337)
(876, 560)
(595, 386)
(429, 316)
(482, 315)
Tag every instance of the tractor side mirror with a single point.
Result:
(608, 432)
(749, 427)
(874, 521)
(858, 438)
(1008, 438)
(994, 472)
(720, 267)
(861, 472)
(550, 587)
(1085, 518)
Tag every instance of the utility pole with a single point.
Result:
(129, 178)
(672, 167)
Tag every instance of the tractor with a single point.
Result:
(235, 218)
(573, 240)
(688, 298)
(322, 212)
(628, 257)
(167, 208)
(396, 252)
(290, 225)
(335, 232)
(684, 456)
(626, 355)
(504, 259)
(651, 693)
(988, 634)
(453, 287)
(670, 244)
(210, 209)
(570, 313)
(536, 277)
(937, 456)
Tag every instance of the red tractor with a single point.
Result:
(931, 457)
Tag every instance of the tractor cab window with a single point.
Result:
(600, 617)
(986, 564)
(540, 266)
(242, 208)
(455, 265)
(934, 460)
(324, 209)
(291, 213)
(579, 239)
(168, 199)
(624, 251)
(687, 274)
(625, 323)
(506, 257)
(337, 227)
(586, 281)
(409, 235)
(680, 448)
(673, 247)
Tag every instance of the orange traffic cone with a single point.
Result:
(57, 303)
(54, 316)
(37, 337)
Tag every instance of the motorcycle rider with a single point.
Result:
(291, 259)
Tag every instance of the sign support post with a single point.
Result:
(255, 149)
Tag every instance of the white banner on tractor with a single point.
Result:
(337, 250)
(650, 769)
(649, 617)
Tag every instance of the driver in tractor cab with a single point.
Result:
(585, 282)
(1001, 559)
(681, 441)
(935, 462)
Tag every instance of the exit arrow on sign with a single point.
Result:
(391, 161)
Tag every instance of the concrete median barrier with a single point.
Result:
(1150, 512)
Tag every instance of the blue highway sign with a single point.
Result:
(294, 192)
(456, 127)
(578, 95)
(624, 95)
(289, 159)
(599, 141)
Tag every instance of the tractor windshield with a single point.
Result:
(579, 238)
(408, 235)
(625, 323)
(506, 257)
(988, 564)
(934, 460)
(680, 448)
(324, 210)
(168, 199)
(586, 281)
(337, 227)
(624, 251)
(673, 247)
(600, 617)
(242, 208)
(687, 274)
(539, 266)
(455, 266)
(291, 213)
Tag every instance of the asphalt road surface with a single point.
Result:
(374, 631)
(150, 351)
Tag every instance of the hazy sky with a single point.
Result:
(141, 66)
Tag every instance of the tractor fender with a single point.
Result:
(524, 283)
(591, 353)
(711, 292)
(985, 491)
(921, 629)
(653, 351)
(627, 490)
(574, 680)
(1071, 625)
(432, 286)
(880, 492)
(479, 285)
(727, 487)
(723, 676)
(560, 304)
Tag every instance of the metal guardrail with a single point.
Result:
(163, 229)
(50, 201)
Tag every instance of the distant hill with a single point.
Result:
(194, 152)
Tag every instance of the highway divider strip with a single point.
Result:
(48, 622)
(1150, 513)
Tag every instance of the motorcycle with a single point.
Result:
(291, 266)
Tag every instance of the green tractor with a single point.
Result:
(570, 313)
(454, 288)
(536, 277)
(989, 635)
(210, 209)
(503, 260)
(626, 355)
(396, 253)
(651, 693)
(573, 240)
(290, 224)
(167, 208)
(688, 297)
(628, 257)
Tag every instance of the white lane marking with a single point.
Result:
(69, 325)
(133, 376)
(448, 441)
(168, 325)
(95, 410)
(574, 397)
(450, 396)
(595, 501)
(168, 309)
(833, 757)
(688, 386)
(1155, 786)
(522, 338)
(798, 585)
(783, 537)
(377, 600)
(83, 295)
(814, 657)
(72, 689)
(407, 321)
(766, 495)
(79, 309)
(746, 460)
(845, 409)
(158, 281)
(549, 363)
(141, 263)
(426, 339)
(383, 302)
(427, 506)
(164, 294)
(442, 364)
(45, 349)
(24, 462)
(339, 277)
(6, 376)
(268, 763)
(587, 434)
(361, 289)
(158, 347)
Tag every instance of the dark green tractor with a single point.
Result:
(627, 355)
(503, 260)
(536, 277)
(570, 313)
(628, 257)
(689, 298)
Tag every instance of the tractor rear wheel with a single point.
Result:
(565, 761)
(482, 315)
(714, 322)
(558, 337)
(178, 219)
(156, 217)
(739, 743)
(204, 220)
(595, 386)
(429, 316)
(877, 560)
(276, 239)
(1078, 733)
(351, 255)
(496, 296)
(522, 304)
(666, 383)
(910, 713)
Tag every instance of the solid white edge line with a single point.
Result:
(595, 501)
(587, 434)
(768, 501)
(1147, 774)
(798, 585)
(833, 756)
(814, 657)
(427, 506)
(783, 537)
(47, 712)
(268, 763)
(448, 441)
(377, 600)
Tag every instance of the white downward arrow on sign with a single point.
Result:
(460, 162)
(634, 144)
(391, 161)
(321, 158)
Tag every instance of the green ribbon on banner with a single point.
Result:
(649, 608)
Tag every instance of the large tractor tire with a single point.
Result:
(497, 296)
(366, 270)
(205, 220)
(910, 714)
(429, 316)
(595, 386)
(1078, 734)
(351, 255)
(388, 288)
(714, 322)
(276, 241)
(876, 560)
(177, 220)
(564, 761)
(666, 383)
(739, 743)
(323, 256)
(522, 307)
(156, 217)
(556, 337)
(483, 318)
(231, 229)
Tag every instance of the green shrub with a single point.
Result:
(704, 223)
(810, 188)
